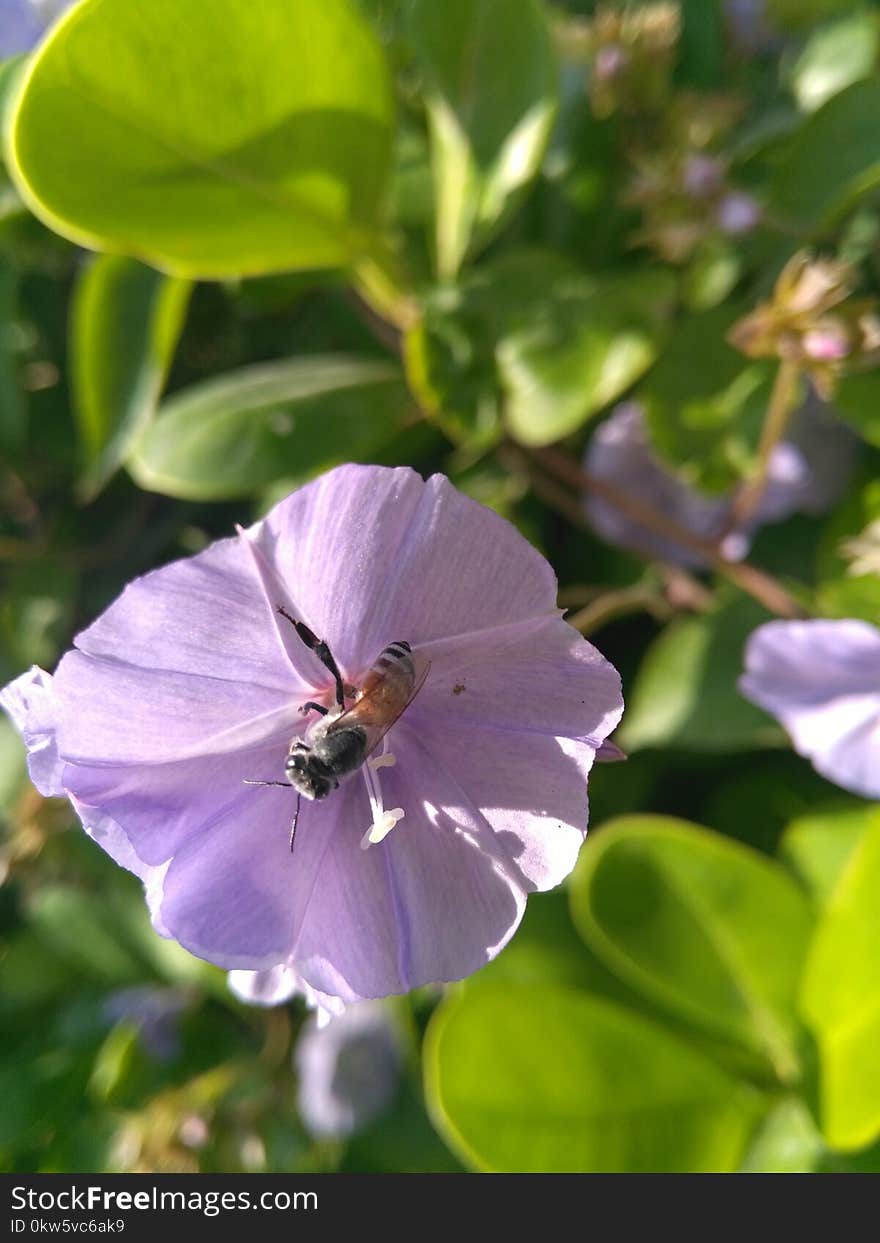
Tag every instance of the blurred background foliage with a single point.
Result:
(241, 243)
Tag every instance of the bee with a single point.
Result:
(342, 739)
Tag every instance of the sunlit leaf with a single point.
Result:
(490, 95)
(685, 693)
(842, 140)
(525, 1078)
(125, 323)
(233, 434)
(819, 845)
(841, 999)
(706, 927)
(578, 351)
(836, 55)
(210, 138)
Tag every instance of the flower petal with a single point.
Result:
(541, 677)
(115, 713)
(821, 680)
(373, 555)
(164, 806)
(529, 789)
(433, 902)
(188, 661)
(31, 704)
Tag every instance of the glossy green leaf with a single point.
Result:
(840, 999)
(212, 138)
(78, 930)
(527, 1078)
(787, 1142)
(236, 433)
(685, 693)
(836, 55)
(578, 351)
(704, 402)
(852, 596)
(548, 950)
(857, 399)
(818, 846)
(701, 43)
(12, 403)
(490, 95)
(705, 927)
(796, 14)
(843, 140)
(126, 320)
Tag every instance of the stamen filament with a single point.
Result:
(383, 821)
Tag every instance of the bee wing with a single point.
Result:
(373, 713)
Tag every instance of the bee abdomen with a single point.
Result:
(397, 655)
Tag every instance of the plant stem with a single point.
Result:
(781, 404)
(762, 587)
(378, 282)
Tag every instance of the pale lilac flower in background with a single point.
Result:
(737, 212)
(348, 1070)
(191, 683)
(277, 986)
(23, 22)
(821, 680)
(155, 1013)
(748, 25)
(807, 472)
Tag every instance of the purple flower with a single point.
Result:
(821, 680)
(192, 683)
(278, 985)
(348, 1070)
(22, 22)
(738, 213)
(807, 472)
(155, 1013)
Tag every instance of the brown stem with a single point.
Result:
(762, 587)
(612, 604)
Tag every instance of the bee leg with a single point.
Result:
(308, 707)
(321, 650)
(248, 781)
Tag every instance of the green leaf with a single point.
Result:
(531, 1078)
(853, 596)
(798, 13)
(704, 402)
(685, 692)
(578, 351)
(840, 999)
(490, 95)
(707, 928)
(857, 399)
(832, 160)
(210, 139)
(548, 950)
(786, 1143)
(75, 926)
(818, 846)
(701, 45)
(12, 405)
(836, 55)
(126, 320)
(231, 435)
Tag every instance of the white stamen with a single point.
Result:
(383, 821)
(380, 829)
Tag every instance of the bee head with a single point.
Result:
(307, 774)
